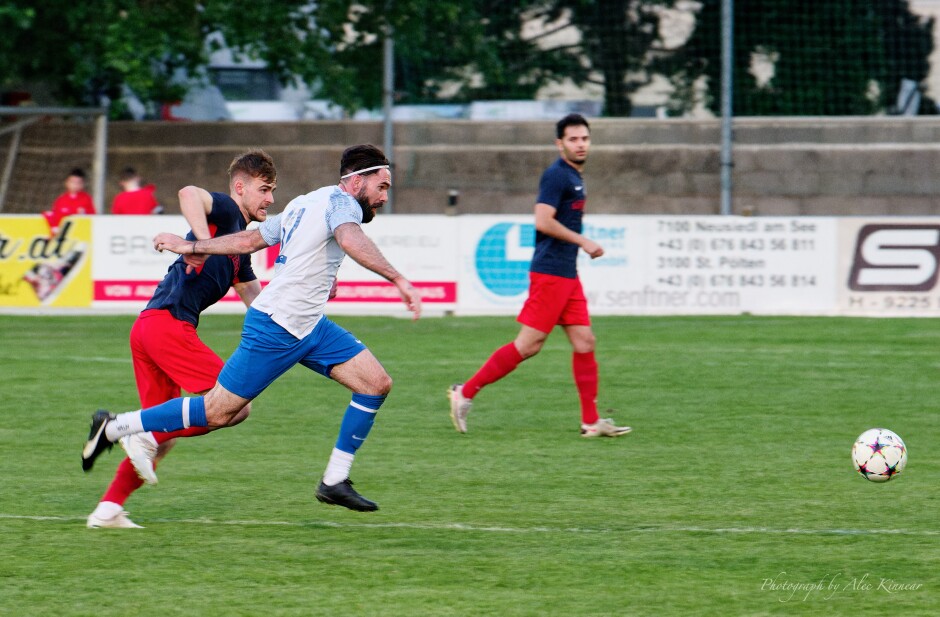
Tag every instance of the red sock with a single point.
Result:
(503, 361)
(585, 379)
(192, 431)
(125, 482)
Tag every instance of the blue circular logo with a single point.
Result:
(503, 257)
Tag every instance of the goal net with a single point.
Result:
(40, 146)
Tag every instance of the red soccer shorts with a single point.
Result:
(169, 357)
(554, 301)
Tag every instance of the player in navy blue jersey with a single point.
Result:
(555, 294)
(287, 325)
(167, 353)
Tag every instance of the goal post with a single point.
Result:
(39, 145)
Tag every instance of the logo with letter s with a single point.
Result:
(895, 258)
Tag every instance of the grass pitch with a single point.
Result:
(734, 495)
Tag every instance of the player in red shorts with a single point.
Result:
(167, 352)
(555, 294)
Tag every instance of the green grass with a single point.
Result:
(735, 479)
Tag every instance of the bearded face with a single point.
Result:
(373, 193)
(368, 210)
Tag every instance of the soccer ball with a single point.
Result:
(879, 454)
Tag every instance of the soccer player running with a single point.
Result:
(555, 293)
(285, 325)
(167, 353)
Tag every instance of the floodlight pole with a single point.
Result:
(727, 90)
(100, 163)
(388, 103)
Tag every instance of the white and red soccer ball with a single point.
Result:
(879, 454)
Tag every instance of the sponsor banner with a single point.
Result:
(136, 292)
(39, 270)
(662, 265)
(727, 265)
(372, 291)
(888, 267)
(422, 247)
(493, 268)
(478, 264)
(127, 269)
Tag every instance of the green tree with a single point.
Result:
(84, 51)
(464, 50)
(621, 40)
(446, 50)
(827, 57)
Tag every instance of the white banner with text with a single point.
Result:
(479, 264)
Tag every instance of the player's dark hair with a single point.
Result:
(128, 173)
(255, 164)
(570, 120)
(359, 157)
(78, 172)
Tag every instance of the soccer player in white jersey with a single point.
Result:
(285, 325)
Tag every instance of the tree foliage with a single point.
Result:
(463, 50)
(86, 52)
(446, 50)
(828, 57)
(621, 40)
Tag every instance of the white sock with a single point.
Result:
(124, 424)
(108, 509)
(338, 468)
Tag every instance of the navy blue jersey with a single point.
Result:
(188, 295)
(562, 187)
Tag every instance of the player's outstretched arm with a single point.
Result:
(364, 251)
(240, 243)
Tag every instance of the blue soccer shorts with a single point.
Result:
(267, 351)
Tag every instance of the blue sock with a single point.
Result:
(175, 415)
(357, 421)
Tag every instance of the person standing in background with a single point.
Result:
(134, 197)
(73, 201)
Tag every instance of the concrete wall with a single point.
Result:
(806, 166)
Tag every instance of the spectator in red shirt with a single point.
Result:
(134, 198)
(73, 201)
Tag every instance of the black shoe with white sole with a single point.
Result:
(97, 440)
(343, 494)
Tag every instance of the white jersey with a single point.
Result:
(309, 257)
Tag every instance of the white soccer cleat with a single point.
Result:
(118, 521)
(141, 448)
(604, 427)
(459, 407)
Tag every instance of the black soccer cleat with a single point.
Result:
(343, 494)
(97, 440)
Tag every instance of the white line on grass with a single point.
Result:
(519, 530)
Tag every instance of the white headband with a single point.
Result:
(362, 171)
